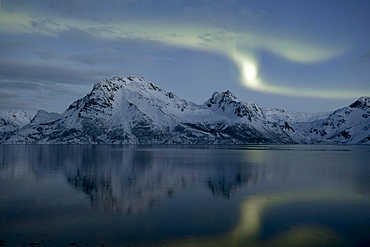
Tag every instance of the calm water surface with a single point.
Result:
(249, 195)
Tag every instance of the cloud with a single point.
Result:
(43, 25)
(47, 90)
(14, 84)
(32, 96)
(93, 10)
(47, 55)
(59, 90)
(363, 59)
(10, 100)
(10, 45)
(76, 35)
(8, 95)
(100, 58)
(251, 14)
(46, 73)
(92, 59)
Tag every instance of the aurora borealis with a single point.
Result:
(269, 53)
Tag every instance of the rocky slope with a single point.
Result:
(132, 110)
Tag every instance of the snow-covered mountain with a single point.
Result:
(132, 110)
(348, 125)
(13, 120)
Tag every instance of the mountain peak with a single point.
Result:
(128, 82)
(227, 103)
(362, 103)
(112, 96)
(222, 97)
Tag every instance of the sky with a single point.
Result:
(306, 55)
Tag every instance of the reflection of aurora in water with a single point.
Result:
(241, 47)
(248, 231)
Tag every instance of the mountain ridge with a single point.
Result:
(132, 110)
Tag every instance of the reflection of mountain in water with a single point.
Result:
(131, 179)
(99, 189)
(226, 184)
(131, 183)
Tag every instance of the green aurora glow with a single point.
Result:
(239, 46)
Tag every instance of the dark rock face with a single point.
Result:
(361, 103)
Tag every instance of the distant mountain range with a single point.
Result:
(132, 110)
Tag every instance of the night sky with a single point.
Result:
(302, 55)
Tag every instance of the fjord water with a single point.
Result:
(184, 195)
